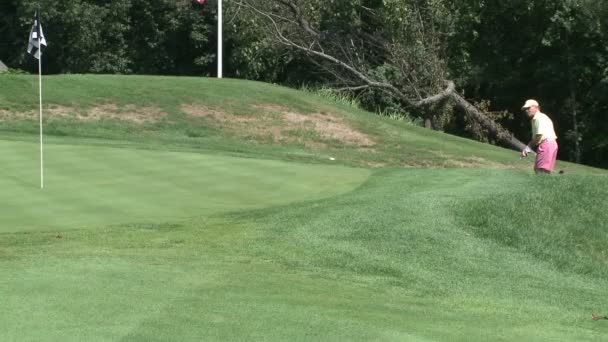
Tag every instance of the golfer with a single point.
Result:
(544, 138)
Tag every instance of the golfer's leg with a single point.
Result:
(542, 163)
(554, 149)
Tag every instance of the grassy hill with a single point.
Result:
(191, 209)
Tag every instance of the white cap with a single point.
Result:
(529, 103)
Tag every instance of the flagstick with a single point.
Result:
(40, 98)
(219, 39)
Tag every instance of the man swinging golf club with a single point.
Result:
(543, 139)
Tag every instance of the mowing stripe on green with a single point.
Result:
(89, 186)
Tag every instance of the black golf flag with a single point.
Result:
(37, 40)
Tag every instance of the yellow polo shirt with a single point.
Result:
(541, 124)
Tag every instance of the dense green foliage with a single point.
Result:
(119, 36)
(499, 53)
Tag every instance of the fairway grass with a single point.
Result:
(92, 186)
(375, 263)
(173, 217)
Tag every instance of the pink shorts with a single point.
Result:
(546, 155)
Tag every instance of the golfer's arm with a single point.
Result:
(536, 140)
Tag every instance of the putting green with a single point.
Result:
(87, 186)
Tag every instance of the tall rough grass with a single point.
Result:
(557, 219)
(350, 101)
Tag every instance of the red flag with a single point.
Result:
(200, 2)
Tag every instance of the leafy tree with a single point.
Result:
(8, 36)
(118, 36)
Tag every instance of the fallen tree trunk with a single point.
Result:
(310, 41)
(474, 113)
(495, 129)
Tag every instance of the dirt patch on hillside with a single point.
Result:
(129, 113)
(472, 162)
(329, 127)
(282, 124)
(479, 162)
(219, 116)
(5, 115)
(443, 160)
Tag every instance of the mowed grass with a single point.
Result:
(278, 242)
(400, 258)
(92, 186)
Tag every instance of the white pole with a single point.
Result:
(219, 39)
(40, 97)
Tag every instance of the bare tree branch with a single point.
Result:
(304, 24)
(352, 88)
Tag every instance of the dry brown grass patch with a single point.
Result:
(5, 115)
(129, 113)
(329, 127)
(276, 122)
(474, 162)
(219, 116)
